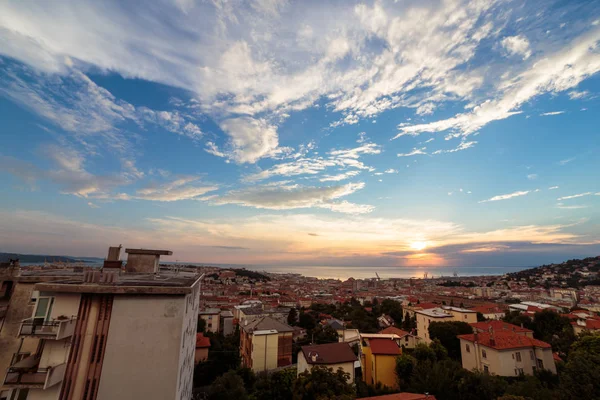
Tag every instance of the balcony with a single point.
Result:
(55, 329)
(26, 373)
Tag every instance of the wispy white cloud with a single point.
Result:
(413, 152)
(339, 177)
(566, 161)
(182, 188)
(571, 207)
(532, 177)
(507, 196)
(574, 196)
(391, 171)
(553, 188)
(575, 94)
(517, 45)
(551, 113)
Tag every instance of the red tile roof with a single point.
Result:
(426, 306)
(202, 341)
(498, 326)
(401, 396)
(502, 340)
(384, 347)
(330, 353)
(392, 330)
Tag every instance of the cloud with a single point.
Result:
(553, 188)
(564, 207)
(575, 94)
(312, 165)
(516, 45)
(289, 197)
(250, 139)
(462, 146)
(566, 161)
(532, 177)
(574, 196)
(554, 73)
(182, 188)
(413, 152)
(339, 177)
(552, 113)
(507, 196)
(391, 171)
(92, 205)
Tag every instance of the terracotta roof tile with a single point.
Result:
(330, 353)
(394, 330)
(202, 341)
(498, 326)
(502, 340)
(384, 346)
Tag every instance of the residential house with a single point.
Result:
(407, 340)
(226, 322)
(385, 321)
(202, 346)
(505, 353)
(441, 314)
(212, 318)
(330, 355)
(490, 311)
(115, 333)
(500, 326)
(378, 355)
(265, 344)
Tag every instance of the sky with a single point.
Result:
(298, 133)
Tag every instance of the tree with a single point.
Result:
(306, 321)
(201, 325)
(553, 328)
(275, 386)
(393, 309)
(446, 333)
(581, 374)
(324, 334)
(405, 365)
(480, 317)
(292, 318)
(228, 386)
(321, 383)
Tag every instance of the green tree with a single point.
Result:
(324, 334)
(480, 317)
(201, 325)
(405, 365)
(422, 352)
(553, 328)
(394, 310)
(307, 321)
(581, 374)
(276, 386)
(292, 318)
(228, 386)
(322, 383)
(446, 333)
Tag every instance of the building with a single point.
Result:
(266, 344)
(114, 333)
(212, 318)
(330, 355)
(490, 311)
(505, 353)
(401, 396)
(226, 322)
(202, 346)
(443, 314)
(500, 326)
(378, 355)
(407, 340)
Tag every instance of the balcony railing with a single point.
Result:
(55, 329)
(27, 374)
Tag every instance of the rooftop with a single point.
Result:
(394, 330)
(503, 340)
(267, 323)
(458, 309)
(149, 252)
(435, 313)
(384, 347)
(330, 353)
(202, 341)
(498, 326)
(209, 311)
(164, 282)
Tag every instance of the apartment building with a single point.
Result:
(378, 353)
(441, 314)
(330, 355)
(109, 334)
(407, 340)
(212, 318)
(505, 353)
(266, 344)
(500, 326)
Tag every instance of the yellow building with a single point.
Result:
(443, 314)
(378, 353)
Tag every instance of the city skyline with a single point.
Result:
(430, 133)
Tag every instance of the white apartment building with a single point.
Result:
(109, 334)
(441, 314)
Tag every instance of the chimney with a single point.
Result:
(144, 261)
(113, 261)
(314, 356)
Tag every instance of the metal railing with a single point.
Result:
(35, 377)
(52, 329)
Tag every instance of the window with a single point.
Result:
(540, 364)
(468, 348)
(44, 308)
(518, 354)
(518, 371)
(465, 317)
(531, 354)
(486, 369)
(483, 354)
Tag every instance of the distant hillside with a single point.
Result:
(36, 258)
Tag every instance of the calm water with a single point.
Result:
(366, 272)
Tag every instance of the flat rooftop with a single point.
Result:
(435, 313)
(165, 282)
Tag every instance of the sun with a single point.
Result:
(418, 245)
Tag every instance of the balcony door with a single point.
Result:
(44, 308)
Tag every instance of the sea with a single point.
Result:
(356, 272)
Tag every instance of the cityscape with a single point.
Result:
(300, 200)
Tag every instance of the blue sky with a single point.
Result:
(303, 133)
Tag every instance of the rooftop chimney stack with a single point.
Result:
(113, 261)
(144, 261)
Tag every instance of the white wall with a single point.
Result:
(143, 348)
(187, 353)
